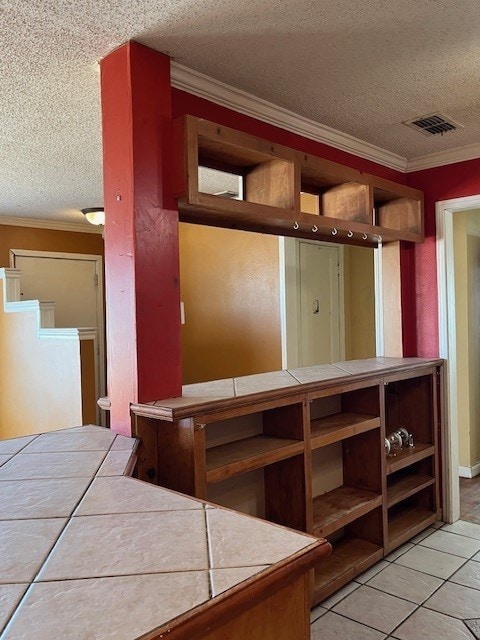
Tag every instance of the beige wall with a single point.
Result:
(40, 380)
(12, 237)
(230, 288)
(359, 303)
(467, 310)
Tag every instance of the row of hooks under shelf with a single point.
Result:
(350, 234)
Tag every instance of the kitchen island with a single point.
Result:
(87, 552)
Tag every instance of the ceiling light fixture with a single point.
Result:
(94, 215)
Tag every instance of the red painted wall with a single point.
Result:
(419, 266)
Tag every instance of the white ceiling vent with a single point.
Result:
(433, 125)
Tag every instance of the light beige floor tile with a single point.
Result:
(476, 557)
(119, 494)
(223, 579)
(463, 528)
(369, 573)
(455, 600)
(334, 627)
(10, 595)
(452, 543)
(15, 444)
(430, 625)
(122, 443)
(91, 440)
(422, 535)
(116, 463)
(52, 465)
(375, 608)
(468, 575)
(393, 555)
(405, 583)
(47, 498)
(121, 607)
(264, 382)
(24, 545)
(342, 593)
(316, 613)
(123, 544)
(435, 563)
(5, 458)
(255, 541)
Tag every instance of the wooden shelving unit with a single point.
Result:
(353, 207)
(319, 449)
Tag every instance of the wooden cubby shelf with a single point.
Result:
(336, 427)
(311, 456)
(245, 455)
(408, 456)
(403, 488)
(337, 508)
(274, 176)
(350, 557)
(407, 523)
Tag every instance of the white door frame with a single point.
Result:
(100, 385)
(445, 211)
(289, 249)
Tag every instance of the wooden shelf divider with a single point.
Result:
(240, 456)
(349, 557)
(408, 456)
(337, 508)
(407, 486)
(336, 427)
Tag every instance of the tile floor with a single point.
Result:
(428, 589)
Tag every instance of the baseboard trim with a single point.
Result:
(469, 472)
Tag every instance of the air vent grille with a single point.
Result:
(434, 124)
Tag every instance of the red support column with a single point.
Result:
(141, 232)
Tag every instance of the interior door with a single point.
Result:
(319, 322)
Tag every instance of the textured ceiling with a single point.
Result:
(360, 67)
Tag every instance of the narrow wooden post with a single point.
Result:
(141, 233)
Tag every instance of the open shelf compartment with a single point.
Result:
(247, 454)
(410, 480)
(409, 517)
(337, 508)
(359, 548)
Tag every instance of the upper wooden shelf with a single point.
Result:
(241, 456)
(339, 426)
(406, 457)
(353, 207)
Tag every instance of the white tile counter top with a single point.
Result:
(88, 553)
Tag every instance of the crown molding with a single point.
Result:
(205, 87)
(441, 158)
(34, 223)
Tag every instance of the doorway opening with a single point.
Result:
(458, 268)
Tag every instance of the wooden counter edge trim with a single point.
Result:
(215, 612)
(152, 410)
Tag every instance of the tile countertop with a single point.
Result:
(203, 396)
(87, 552)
